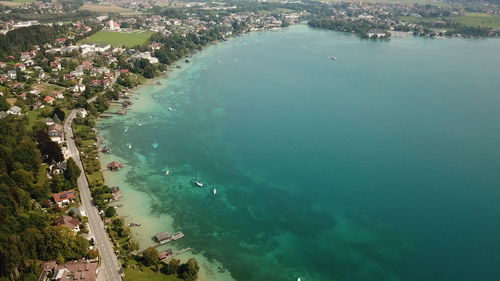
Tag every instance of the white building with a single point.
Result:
(15, 110)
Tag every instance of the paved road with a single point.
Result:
(109, 261)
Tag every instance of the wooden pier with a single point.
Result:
(168, 254)
(163, 238)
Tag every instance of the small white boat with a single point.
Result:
(140, 124)
(129, 146)
(167, 172)
(214, 191)
(125, 130)
(333, 58)
(170, 109)
(298, 279)
(197, 181)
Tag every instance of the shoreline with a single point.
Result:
(140, 205)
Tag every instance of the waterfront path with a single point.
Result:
(109, 261)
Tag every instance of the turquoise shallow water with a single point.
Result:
(382, 165)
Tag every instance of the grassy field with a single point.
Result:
(478, 19)
(46, 88)
(10, 3)
(119, 39)
(432, 2)
(469, 19)
(146, 274)
(104, 9)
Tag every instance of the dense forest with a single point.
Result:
(27, 234)
(24, 38)
(358, 27)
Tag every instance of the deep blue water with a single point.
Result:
(382, 165)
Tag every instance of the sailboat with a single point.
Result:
(167, 172)
(214, 190)
(197, 181)
(333, 58)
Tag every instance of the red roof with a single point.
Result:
(68, 221)
(48, 99)
(124, 70)
(66, 195)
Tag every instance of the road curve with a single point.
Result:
(109, 261)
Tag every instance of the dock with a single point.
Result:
(168, 254)
(165, 237)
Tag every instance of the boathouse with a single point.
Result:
(165, 254)
(163, 237)
(114, 166)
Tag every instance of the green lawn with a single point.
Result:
(478, 19)
(133, 274)
(119, 39)
(46, 88)
(469, 19)
(33, 117)
(104, 9)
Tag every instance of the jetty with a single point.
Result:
(165, 237)
(168, 254)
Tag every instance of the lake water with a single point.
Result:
(381, 165)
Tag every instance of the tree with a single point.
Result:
(110, 212)
(4, 105)
(60, 114)
(171, 267)
(72, 172)
(49, 149)
(149, 72)
(150, 256)
(189, 270)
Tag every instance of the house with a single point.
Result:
(81, 112)
(114, 166)
(21, 66)
(58, 168)
(80, 88)
(12, 74)
(56, 133)
(112, 25)
(3, 65)
(378, 33)
(15, 110)
(3, 114)
(49, 121)
(146, 56)
(58, 95)
(48, 99)
(55, 65)
(25, 56)
(29, 62)
(102, 47)
(70, 222)
(81, 270)
(64, 197)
